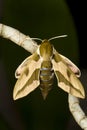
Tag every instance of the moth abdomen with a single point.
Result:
(46, 80)
(46, 74)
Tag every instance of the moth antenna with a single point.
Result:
(57, 37)
(36, 39)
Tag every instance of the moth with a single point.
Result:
(38, 70)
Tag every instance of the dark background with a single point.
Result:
(78, 10)
(43, 19)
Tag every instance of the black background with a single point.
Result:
(78, 10)
(42, 19)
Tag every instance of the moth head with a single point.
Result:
(46, 50)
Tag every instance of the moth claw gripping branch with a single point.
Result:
(40, 67)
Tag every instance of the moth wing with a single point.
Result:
(22, 66)
(29, 79)
(72, 66)
(67, 80)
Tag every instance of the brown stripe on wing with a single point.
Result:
(31, 84)
(67, 86)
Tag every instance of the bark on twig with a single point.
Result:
(77, 112)
(17, 37)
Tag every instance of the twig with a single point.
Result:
(77, 112)
(17, 37)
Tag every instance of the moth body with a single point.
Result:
(46, 70)
(38, 71)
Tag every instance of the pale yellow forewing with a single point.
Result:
(29, 78)
(67, 80)
(24, 64)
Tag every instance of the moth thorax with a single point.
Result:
(46, 64)
(46, 49)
